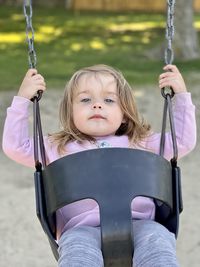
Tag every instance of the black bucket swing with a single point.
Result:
(128, 172)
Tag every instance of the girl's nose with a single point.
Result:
(97, 105)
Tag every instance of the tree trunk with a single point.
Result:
(68, 4)
(185, 40)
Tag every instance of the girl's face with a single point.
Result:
(96, 106)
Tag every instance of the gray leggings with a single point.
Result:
(154, 246)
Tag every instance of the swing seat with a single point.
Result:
(113, 177)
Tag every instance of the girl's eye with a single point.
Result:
(85, 100)
(109, 100)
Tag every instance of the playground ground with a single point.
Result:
(22, 241)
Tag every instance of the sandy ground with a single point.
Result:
(22, 242)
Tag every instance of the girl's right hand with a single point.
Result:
(31, 83)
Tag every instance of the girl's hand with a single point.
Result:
(31, 84)
(172, 78)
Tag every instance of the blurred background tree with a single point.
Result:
(186, 43)
(69, 34)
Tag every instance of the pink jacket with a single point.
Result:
(18, 145)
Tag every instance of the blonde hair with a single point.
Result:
(135, 127)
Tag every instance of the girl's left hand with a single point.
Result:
(172, 78)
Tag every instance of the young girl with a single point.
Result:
(98, 111)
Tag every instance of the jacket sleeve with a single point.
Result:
(17, 144)
(185, 127)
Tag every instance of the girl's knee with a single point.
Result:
(154, 245)
(81, 237)
(80, 246)
(81, 234)
(152, 234)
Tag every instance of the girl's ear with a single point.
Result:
(124, 120)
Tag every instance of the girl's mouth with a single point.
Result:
(97, 116)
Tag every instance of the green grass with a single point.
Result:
(66, 41)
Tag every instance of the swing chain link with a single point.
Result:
(27, 7)
(169, 54)
(32, 58)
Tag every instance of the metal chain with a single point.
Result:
(167, 92)
(169, 54)
(37, 127)
(27, 7)
(32, 58)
